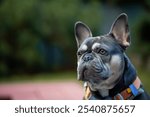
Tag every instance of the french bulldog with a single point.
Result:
(104, 67)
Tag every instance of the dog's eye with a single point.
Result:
(79, 53)
(102, 51)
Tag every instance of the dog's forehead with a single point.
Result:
(93, 42)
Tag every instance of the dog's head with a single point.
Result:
(101, 58)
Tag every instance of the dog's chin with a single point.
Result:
(95, 80)
(92, 76)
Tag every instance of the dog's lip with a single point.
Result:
(82, 74)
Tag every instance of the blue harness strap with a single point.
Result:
(134, 90)
(131, 92)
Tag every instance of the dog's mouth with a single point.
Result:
(94, 77)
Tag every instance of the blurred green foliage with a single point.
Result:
(37, 35)
(142, 43)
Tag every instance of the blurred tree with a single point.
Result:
(37, 35)
(142, 46)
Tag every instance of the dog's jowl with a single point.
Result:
(103, 66)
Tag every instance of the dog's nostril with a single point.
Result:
(87, 57)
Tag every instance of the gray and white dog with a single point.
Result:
(103, 66)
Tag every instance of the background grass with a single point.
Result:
(66, 76)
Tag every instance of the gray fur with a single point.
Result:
(101, 64)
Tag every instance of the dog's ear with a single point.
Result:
(120, 30)
(82, 31)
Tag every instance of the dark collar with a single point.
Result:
(130, 92)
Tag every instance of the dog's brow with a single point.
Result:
(84, 47)
(98, 37)
(95, 45)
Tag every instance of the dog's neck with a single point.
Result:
(104, 92)
(127, 78)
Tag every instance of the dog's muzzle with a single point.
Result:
(92, 68)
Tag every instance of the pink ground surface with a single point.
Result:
(41, 91)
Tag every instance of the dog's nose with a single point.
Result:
(87, 57)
